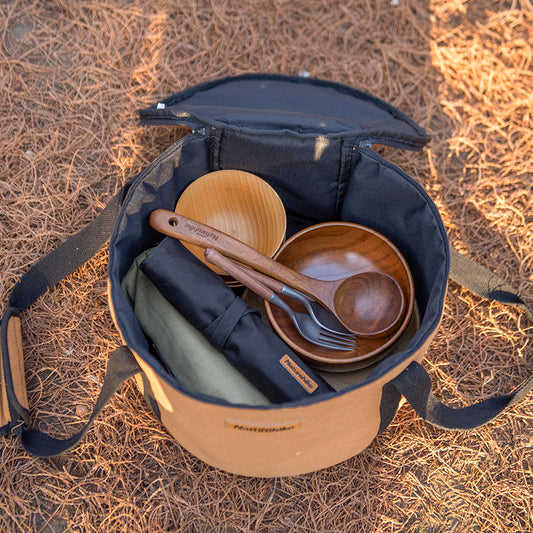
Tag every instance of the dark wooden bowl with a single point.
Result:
(331, 251)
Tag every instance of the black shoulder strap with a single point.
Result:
(51, 269)
(484, 283)
(67, 257)
(414, 382)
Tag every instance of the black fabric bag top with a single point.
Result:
(270, 103)
(265, 124)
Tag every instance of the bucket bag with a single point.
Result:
(312, 141)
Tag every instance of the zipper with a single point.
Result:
(151, 118)
(199, 131)
(413, 144)
(162, 115)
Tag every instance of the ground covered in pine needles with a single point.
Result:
(73, 74)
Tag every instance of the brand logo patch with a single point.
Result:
(299, 374)
(262, 428)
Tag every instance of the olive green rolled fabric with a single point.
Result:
(186, 353)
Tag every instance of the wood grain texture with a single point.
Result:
(241, 274)
(334, 251)
(368, 303)
(238, 203)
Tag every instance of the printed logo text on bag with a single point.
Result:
(263, 428)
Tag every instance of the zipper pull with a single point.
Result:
(365, 145)
(199, 131)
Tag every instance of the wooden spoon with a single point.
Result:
(369, 304)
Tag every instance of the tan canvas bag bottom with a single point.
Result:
(273, 442)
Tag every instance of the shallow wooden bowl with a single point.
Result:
(332, 251)
(239, 204)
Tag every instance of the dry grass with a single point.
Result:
(72, 75)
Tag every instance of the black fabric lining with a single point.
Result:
(119, 257)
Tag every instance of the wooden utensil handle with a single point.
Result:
(269, 282)
(241, 274)
(194, 232)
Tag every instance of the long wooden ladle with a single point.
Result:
(369, 304)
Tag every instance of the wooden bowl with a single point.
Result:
(332, 251)
(239, 204)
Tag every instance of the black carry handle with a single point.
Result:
(51, 269)
(414, 382)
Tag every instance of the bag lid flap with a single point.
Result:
(297, 104)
